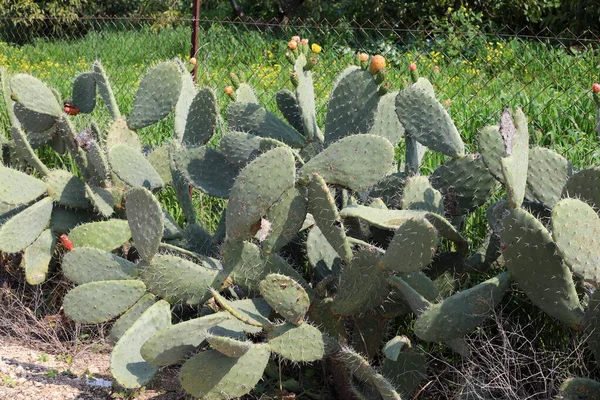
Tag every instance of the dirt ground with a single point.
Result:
(27, 374)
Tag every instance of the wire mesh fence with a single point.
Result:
(476, 71)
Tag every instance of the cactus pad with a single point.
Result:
(119, 133)
(211, 375)
(34, 95)
(87, 264)
(352, 105)
(125, 321)
(356, 162)
(229, 346)
(258, 186)
(37, 256)
(579, 389)
(576, 229)
(584, 186)
(420, 195)
(533, 261)
(84, 92)
(156, 96)
(286, 218)
(132, 168)
(491, 148)
(97, 302)
(386, 122)
(18, 188)
(516, 157)
(188, 92)
(103, 235)
(547, 175)
(286, 297)
(178, 280)
(207, 170)
(201, 119)
(461, 313)
(126, 363)
(173, 344)
(240, 148)
(321, 256)
(288, 105)
(66, 189)
(24, 228)
(412, 247)
(146, 221)
(302, 343)
(426, 120)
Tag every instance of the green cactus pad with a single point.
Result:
(119, 133)
(207, 170)
(127, 365)
(368, 333)
(351, 105)
(159, 159)
(592, 324)
(66, 189)
(461, 313)
(288, 106)
(24, 228)
(395, 346)
(156, 96)
(37, 257)
(87, 264)
(178, 280)
(102, 200)
(146, 221)
(406, 373)
(256, 120)
(97, 302)
(533, 261)
(98, 167)
(182, 190)
(64, 219)
(385, 219)
(305, 93)
(321, 205)
(201, 119)
(188, 92)
(362, 284)
(245, 94)
(418, 302)
(256, 309)
(390, 189)
(84, 92)
(105, 91)
(547, 175)
(18, 188)
(426, 120)
(579, 389)
(515, 161)
(584, 186)
(103, 235)
(125, 321)
(576, 229)
(176, 342)
(40, 127)
(386, 122)
(34, 95)
(244, 262)
(24, 151)
(357, 162)
(321, 256)
(240, 148)
(258, 186)
(132, 168)
(491, 148)
(414, 154)
(286, 218)
(303, 343)
(420, 195)
(396, 304)
(211, 375)
(229, 346)
(412, 247)
(172, 230)
(465, 182)
(286, 297)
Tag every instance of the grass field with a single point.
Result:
(475, 78)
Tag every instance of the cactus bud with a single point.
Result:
(294, 79)
(363, 57)
(362, 60)
(230, 92)
(380, 76)
(310, 63)
(436, 69)
(296, 39)
(70, 109)
(315, 48)
(414, 73)
(235, 80)
(304, 46)
(290, 57)
(293, 45)
(596, 87)
(13, 97)
(384, 88)
(193, 61)
(64, 239)
(596, 94)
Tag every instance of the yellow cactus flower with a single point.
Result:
(315, 48)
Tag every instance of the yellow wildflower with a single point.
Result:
(315, 48)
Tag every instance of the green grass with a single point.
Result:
(478, 77)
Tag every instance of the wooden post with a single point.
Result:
(195, 24)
